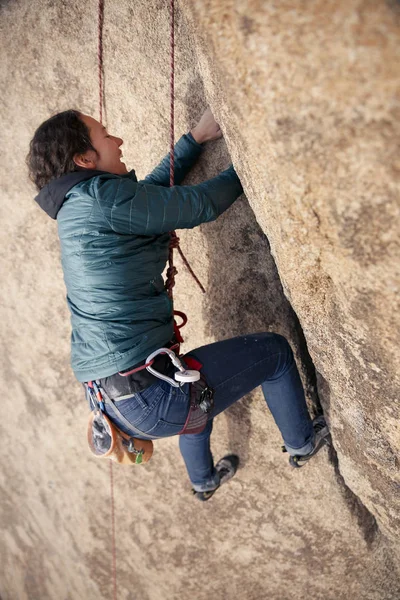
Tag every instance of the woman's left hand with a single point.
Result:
(207, 129)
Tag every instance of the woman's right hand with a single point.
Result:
(207, 129)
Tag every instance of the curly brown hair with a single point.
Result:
(52, 148)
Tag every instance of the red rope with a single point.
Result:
(114, 554)
(100, 58)
(174, 243)
(101, 102)
(189, 268)
(172, 43)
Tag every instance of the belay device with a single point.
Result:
(181, 376)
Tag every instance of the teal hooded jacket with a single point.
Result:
(114, 236)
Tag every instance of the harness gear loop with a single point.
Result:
(107, 441)
(201, 401)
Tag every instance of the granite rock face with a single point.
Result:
(311, 98)
(308, 99)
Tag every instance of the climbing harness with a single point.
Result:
(106, 440)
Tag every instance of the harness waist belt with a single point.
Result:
(119, 385)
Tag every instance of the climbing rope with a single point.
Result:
(174, 240)
(113, 546)
(101, 101)
(100, 58)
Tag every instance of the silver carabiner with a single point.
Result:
(181, 376)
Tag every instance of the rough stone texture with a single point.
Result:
(311, 99)
(307, 97)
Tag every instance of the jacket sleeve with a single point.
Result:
(143, 209)
(186, 152)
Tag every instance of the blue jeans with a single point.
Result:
(233, 367)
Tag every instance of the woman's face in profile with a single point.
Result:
(108, 157)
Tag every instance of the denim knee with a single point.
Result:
(285, 357)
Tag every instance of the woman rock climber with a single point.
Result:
(114, 235)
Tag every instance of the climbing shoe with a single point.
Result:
(226, 468)
(322, 438)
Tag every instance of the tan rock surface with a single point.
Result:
(307, 98)
(313, 97)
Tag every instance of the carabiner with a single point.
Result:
(181, 376)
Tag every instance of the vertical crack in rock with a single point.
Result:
(247, 296)
(365, 519)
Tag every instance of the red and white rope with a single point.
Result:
(172, 271)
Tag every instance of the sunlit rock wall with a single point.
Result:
(310, 97)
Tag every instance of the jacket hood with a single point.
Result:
(51, 197)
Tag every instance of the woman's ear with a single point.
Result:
(87, 160)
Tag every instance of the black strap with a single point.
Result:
(119, 385)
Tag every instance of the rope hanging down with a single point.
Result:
(100, 58)
(174, 242)
(101, 101)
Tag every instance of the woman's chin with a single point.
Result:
(121, 169)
